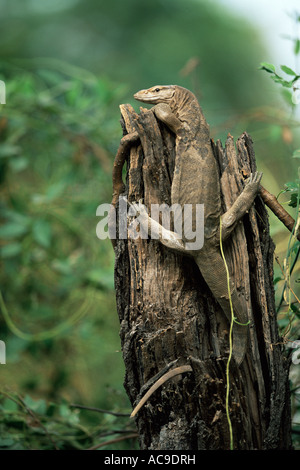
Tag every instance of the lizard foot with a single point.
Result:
(139, 211)
(253, 182)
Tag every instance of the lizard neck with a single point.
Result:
(185, 106)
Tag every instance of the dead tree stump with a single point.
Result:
(169, 317)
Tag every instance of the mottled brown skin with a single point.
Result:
(196, 181)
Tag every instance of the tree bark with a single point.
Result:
(169, 317)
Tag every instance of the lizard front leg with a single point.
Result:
(241, 205)
(155, 230)
(164, 113)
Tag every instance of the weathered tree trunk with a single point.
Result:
(169, 318)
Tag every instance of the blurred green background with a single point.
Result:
(67, 65)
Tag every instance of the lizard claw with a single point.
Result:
(134, 204)
(254, 180)
(139, 208)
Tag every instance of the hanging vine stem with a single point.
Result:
(230, 342)
(287, 286)
(48, 334)
(232, 321)
(286, 270)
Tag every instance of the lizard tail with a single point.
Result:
(218, 284)
(167, 376)
(240, 330)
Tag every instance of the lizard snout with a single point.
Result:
(140, 94)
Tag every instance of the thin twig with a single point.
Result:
(36, 418)
(99, 410)
(289, 287)
(271, 201)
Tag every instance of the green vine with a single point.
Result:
(230, 342)
(48, 334)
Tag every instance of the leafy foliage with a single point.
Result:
(56, 134)
(270, 68)
(27, 424)
(289, 303)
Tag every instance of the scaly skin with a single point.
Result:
(196, 181)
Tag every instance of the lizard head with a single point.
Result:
(156, 94)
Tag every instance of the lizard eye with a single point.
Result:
(157, 89)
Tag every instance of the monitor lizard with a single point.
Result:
(196, 181)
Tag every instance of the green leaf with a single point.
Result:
(18, 164)
(12, 230)
(294, 307)
(74, 93)
(9, 405)
(6, 442)
(100, 277)
(276, 78)
(62, 266)
(15, 216)
(42, 232)
(8, 150)
(287, 70)
(287, 95)
(13, 249)
(64, 410)
(270, 68)
(39, 406)
(69, 415)
(297, 47)
(296, 247)
(294, 200)
(291, 186)
(282, 82)
(296, 154)
(55, 190)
